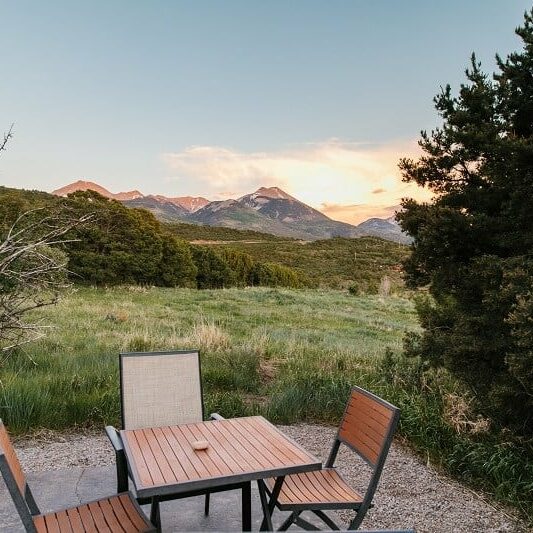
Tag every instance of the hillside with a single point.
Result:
(164, 210)
(336, 263)
(233, 214)
(201, 233)
(386, 229)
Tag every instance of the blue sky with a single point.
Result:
(215, 98)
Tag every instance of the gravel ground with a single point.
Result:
(410, 494)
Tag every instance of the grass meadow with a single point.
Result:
(259, 347)
(290, 355)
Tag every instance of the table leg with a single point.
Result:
(247, 507)
(155, 516)
(268, 506)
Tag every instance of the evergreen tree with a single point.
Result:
(473, 243)
(176, 268)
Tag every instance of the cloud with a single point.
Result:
(357, 213)
(333, 175)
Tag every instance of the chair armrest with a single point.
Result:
(120, 459)
(115, 439)
(216, 416)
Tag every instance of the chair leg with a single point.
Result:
(266, 524)
(359, 516)
(304, 524)
(268, 506)
(122, 472)
(326, 519)
(290, 520)
(206, 504)
(356, 522)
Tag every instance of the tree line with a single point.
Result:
(117, 245)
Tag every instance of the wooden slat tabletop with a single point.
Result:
(163, 461)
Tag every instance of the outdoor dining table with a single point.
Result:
(163, 462)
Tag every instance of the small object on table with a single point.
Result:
(200, 445)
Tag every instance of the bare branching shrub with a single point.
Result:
(33, 271)
(6, 138)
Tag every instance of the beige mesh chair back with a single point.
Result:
(160, 388)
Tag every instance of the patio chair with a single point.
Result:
(157, 389)
(367, 428)
(116, 513)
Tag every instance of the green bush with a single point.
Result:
(241, 264)
(212, 271)
(274, 275)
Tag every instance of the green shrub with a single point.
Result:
(354, 290)
(212, 270)
(274, 275)
(242, 266)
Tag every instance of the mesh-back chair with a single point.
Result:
(116, 513)
(367, 428)
(160, 389)
(157, 389)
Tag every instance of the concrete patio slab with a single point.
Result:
(65, 488)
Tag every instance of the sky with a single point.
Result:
(217, 98)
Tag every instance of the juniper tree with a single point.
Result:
(473, 243)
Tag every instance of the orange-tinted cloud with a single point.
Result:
(333, 175)
(356, 213)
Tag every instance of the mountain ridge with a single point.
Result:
(268, 209)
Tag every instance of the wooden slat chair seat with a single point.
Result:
(367, 427)
(116, 514)
(120, 514)
(321, 489)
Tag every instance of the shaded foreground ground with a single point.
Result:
(411, 494)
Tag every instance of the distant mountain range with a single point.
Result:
(269, 209)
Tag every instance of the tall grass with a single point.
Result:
(253, 343)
